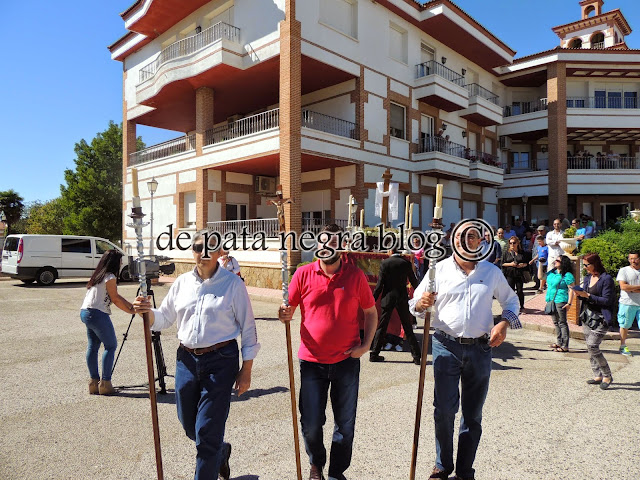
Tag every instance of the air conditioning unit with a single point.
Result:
(505, 143)
(266, 185)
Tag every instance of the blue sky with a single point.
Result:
(59, 84)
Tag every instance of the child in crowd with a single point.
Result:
(540, 258)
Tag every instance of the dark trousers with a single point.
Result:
(316, 380)
(402, 307)
(203, 397)
(516, 284)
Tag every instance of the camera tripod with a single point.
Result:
(161, 367)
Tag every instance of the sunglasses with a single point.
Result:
(558, 260)
(198, 247)
(586, 264)
(513, 243)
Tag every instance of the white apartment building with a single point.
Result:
(320, 97)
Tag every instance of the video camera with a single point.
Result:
(153, 267)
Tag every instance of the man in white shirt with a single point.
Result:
(554, 237)
(462, 342)
(211, 308)
(629, 305)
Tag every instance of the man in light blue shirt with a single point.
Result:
(211, 308)
(462, 342)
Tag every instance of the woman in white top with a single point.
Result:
(95, 314)
(227, 262)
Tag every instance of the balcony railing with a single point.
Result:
(439, 144)
(476, 90)
(432, 67)
(531, 165)
(603, 162)
(162, 150)
(597, 46)
(520, 108)
(602, 102)
(243, 127)
(270, 226)
(329, 124)
(190, 45)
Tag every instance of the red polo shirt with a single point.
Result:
(329, 308)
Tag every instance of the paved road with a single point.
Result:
(541, 420)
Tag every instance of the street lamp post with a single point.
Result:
(525, 198)
(153, 186)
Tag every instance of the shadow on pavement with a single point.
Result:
(247, 477)
(634, 387)
(256, 393)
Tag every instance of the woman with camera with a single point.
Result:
(95, 314)
(559, 281)
(596, 313)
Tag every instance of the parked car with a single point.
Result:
(45, 258)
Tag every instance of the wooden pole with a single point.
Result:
(152, 395)
(423, 369)
(292, 390)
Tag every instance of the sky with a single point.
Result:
(60, 85)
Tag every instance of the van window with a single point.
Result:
(102, 246)
(11, 244)
(76, 245)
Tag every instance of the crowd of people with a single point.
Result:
(211, 308)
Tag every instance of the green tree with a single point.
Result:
(93, 194)
(12, 205)
(47, 218)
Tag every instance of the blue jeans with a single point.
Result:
(203, 397)
(453, 363)
(99, 330)
(315, 379)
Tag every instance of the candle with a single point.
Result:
(349, 212)
(411, 216)
(362, 219)
(134, 181)
(439, 195)
(406, 212)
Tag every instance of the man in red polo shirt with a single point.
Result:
(329, 293)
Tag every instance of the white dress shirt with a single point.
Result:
(209, 311)
(553, 242)
(464, 302)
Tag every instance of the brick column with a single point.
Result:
(557, 114)
(359, 97)
(291, 121)
(129, 140)
(204, 115)
(203, 197)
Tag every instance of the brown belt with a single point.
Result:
(203, 350)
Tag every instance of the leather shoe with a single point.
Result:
(416, 360)
(374, 357)
(225, 471)
(604, 385)
(315, 473)
(439, 474)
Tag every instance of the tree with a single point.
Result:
(12, 206)
(93, 194)
(47, 218)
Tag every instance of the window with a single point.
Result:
(614, 99)
(398, 46)
(600, 98)
(102, 246)
(11, 244)
(236, 211)
(521, 160)
(630, 100)
(575, 43)
(341, 15)
(427, 52)
(76, 245)
(189, 210)
(314, 221)
(427, 129)
(397, 128)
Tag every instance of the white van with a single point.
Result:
(44, 258)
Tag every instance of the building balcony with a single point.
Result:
(440, 87)
(603, 162)
(451, 160)
(524, 117)
(189, 57)
(244, 129)
(532, 165)
(270, 226)
(484, 109)
(604, 175)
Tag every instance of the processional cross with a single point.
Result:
(384, 215)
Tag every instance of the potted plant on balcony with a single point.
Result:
(569, 242)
